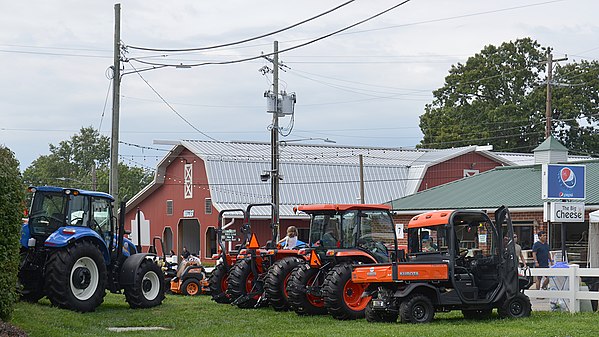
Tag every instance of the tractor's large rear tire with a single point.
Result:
(30, 282)
(76, 277)
(191, 287)
(380, 315)
(417, 308)
(277, 277)
(219, 281)
(516, 307)
(300, 300)
(342, 297)
(148, 288)
(242, 283)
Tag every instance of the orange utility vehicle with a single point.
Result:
(260, 275)
(458, 260)
(340, 236)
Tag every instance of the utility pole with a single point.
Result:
(116, 98)
(550, 61)
(274, 141)
(362, 198)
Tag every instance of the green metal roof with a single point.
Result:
(551, 144)
(513, 186)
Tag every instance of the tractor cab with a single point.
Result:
(354, 232)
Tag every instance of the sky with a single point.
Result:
(365, 86)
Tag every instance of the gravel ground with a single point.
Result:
(8, 330)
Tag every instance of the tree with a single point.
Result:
(12, 193)
(498, 97)
(73, 162)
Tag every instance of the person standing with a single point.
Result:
(540, 255)
(519, 251)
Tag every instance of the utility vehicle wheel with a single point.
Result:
(30, 283)
(218, 282)
(300, 300)
(190, 287)
(342, 297)
(477, 314)
(515, 307)
(275, 284)
(417, 309)
(76, 276)
(148, 288)
(242, 283)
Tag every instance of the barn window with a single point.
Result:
(169, 207)
(188, 187)
(208, 206)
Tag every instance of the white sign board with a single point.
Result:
(188, 213)
(565, 211)
(399, 230)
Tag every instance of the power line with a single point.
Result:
(244, 40)
(280, 51)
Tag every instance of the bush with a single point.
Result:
(11, 210)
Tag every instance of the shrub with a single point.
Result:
(11, 211)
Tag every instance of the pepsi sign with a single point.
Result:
(563, 182)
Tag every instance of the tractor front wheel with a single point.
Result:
(218, 282)
(190, 287)
(277, 277)
(148, 288)
(76, 276)
(342, 297)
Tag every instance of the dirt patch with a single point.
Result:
(8, 330)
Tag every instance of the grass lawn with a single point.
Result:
(199, 316)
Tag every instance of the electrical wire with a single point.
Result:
(245, 40)
(280, 51)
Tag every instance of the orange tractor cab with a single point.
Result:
(457, 260)
(340, 236)
(260, 275)
(191, 278)
(219, 278)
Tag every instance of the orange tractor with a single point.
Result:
(260, 275)
(340, 236)
(219, 278)
(458, 260)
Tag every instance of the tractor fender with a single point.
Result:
(66, 235)
(421, 288)
(129, 268)
(25, 235)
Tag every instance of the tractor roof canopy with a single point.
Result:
(340, 207)
(55, 189)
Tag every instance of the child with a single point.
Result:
(291, 238)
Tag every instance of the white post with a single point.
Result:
(574, 287)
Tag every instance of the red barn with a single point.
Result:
(198, 179)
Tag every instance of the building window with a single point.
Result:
(208, 206)
(188, 185)
(169, 207)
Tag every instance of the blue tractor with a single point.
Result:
(72, 250)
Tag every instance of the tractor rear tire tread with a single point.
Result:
(276, 281)
(333, 292)
(58, 274)
(296, 288)
(238, 280)
(219, 276)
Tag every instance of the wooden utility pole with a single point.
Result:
(116, 98)
(274, 141)
(548, 113)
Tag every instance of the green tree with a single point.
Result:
(498, 97)
(12, 193)
(74, 162)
